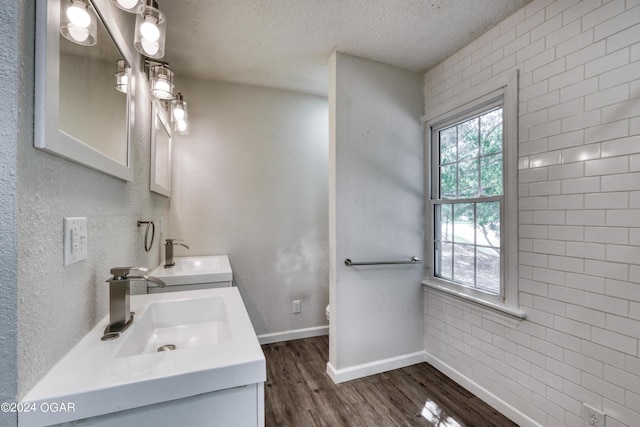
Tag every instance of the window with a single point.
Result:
(467, 200)
(473, 201)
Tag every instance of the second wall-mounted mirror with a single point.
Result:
(79, 113)
(160, 171)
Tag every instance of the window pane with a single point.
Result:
(488, 224)
(445, 231)
(468, 145)
(464, 264)
(463, 223)
(448, 146)
(491, 132)
(467, 235)
(491, 175)
(448, 182)
(468, 185)
(445, 261)
(488, 269)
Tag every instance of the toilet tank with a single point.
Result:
(192, 273)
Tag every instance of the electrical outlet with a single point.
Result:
(592, 417)
(75, 240)
(296, 306)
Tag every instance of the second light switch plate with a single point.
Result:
(75, 240)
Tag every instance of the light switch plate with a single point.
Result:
(75, 240)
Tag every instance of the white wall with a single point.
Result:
(250, 181)
(579, 213)
(58, 305)
(376, 211)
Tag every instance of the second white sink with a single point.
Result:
(195, 270)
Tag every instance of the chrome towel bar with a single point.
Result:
(414, 260)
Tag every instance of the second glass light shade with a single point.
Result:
(161, 82)
(131, 6)
(180, 115)
(151, 27)
(78, 22)
(122, 76)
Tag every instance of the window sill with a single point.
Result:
(515, 312)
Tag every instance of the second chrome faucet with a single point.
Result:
(168, 258)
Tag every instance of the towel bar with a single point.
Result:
(414, 260)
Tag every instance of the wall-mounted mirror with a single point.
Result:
(79, 113)
(160, 171)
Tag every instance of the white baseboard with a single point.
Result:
(372, 368)
(295, 334)
(482, 393)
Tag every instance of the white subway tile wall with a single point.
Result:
(579, 215)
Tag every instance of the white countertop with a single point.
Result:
(96, 381)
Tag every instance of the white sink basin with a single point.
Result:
(194, 270)
(180, 324)
(216, 349)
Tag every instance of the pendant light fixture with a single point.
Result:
(161, 81)
(180, 115)
(122, 76)
(151, 26)
(131, 6)
(78, 22)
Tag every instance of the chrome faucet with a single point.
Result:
(120, 318)
(168, 258)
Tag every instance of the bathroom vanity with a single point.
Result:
(189, 358)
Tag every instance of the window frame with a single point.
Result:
(437, 199)
(505, 94)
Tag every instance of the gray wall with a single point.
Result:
(58, 305)
(13, 127)
(376, 191)
(250, 181)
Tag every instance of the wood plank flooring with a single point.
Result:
(299, 393)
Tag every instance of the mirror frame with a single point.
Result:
(47, 135)
(160, 117)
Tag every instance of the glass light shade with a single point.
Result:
(151, 27)
(78, 22)
(131, 6)
(179, 108)
(122, 76)
(180, 115)
(78, 14)
(182, 127)
(161, 82)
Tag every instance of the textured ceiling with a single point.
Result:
(287, 43)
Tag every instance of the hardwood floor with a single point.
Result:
(299, 393)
